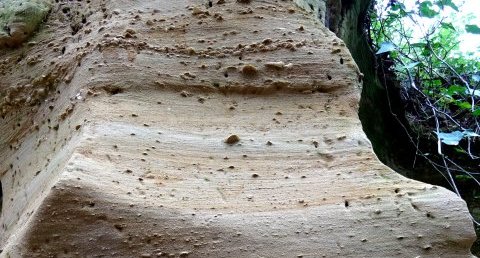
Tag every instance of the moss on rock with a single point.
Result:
(19, 19)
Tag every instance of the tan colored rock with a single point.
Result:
(116, 162)
(19, 19)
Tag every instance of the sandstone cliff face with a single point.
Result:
(19, 19)
(114, 134)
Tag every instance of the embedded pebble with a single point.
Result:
(232, 139)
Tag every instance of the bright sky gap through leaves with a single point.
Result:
(469, 13)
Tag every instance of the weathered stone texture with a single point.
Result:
(19, 19)
(122, 152)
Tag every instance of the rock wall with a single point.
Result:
(205, 129)
(19, 20)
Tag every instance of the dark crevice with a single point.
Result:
(347, 5)
(382, 109)
(112, 89)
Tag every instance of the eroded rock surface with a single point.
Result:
(116, 141)
(19, 19)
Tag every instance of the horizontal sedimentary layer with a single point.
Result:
(176, 128)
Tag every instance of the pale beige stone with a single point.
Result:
(117, 163)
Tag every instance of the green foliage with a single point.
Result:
(426, 9)
(443, 3)
(429, 59)
(418, 44)
(472, 28)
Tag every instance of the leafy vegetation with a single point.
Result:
(418, 47)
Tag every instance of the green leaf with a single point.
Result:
(386, 47)
(462, 178)
(443, 3)
(419, 44)
(455, 89)
(436, 83)
(447, 26)
(426, 52)
(394, 55)
(426, 10)
(453, 6)
(437, 45)
(472, 28)
(464, 105)
(398, 6)
(476, 112)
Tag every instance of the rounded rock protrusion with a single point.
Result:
(249, 70)
(232, 139)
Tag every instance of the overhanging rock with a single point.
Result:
(114, 145)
